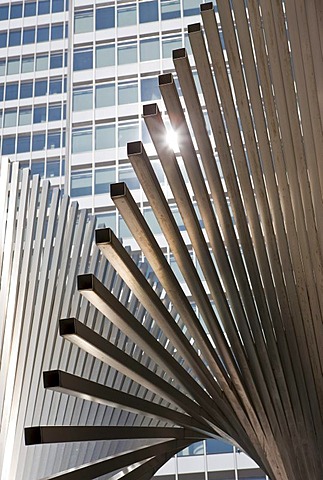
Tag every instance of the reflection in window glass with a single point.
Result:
(41, 62)
(148, 11)
(10, 118)
(37, 168)
(82, 99)
(127, 175)
(27, 64)
(128, 132)
(217, 446)
(105, 136)
(191, 7)
(55, 85)
(23, 144)
(83, 21)
(8, 145)
(81, 183)
(152, 221)
(127, 15)
(104, 18)
(149, 49)
(39, 114)
(54, 139)
(102, 179)
(149, 89)
(198, 447)
(105, 220)
(105, 95)
(169, 44)
(127, 53)
(24, 116)
(13, 66)
(127, 93)
(83, 59)
(82, 140)
(52, 168)
(170, 9)
(105, 55)
(39, 140)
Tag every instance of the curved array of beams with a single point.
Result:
(250, 366)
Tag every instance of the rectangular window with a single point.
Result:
(40, 88)
(106, 220)
(55, 112)
(16, 10)
(83, 59)
(191, 7)
(83, 21)
(57, 31)
(56, 60)
(127, 132)
(13, 66)
(127, 175)
(26, 89)
(105, 55)
(39, 140)
(105, 95)
(81, 183)
(43, 7)
(4, 12)
(52, 168)
(54, 139)
(127, 53)
(127, 15)
(57, 6)
(149, 89)
(82, 99)
(43, 34)
(3, 39)
(104, 18)
(39, 114)
(2, 67)
(37, 168)
(41, 62)
(1, 92)
(23, 144)
(105, 136)
(169, 44)
(12, 91)
(55, 86)
(127, 93)
(149, 49)
(103, 178)
(27, 64)
(148, 12)
(170, 9)
(14, 37)
(8, 145)
(10, 118)
(30, 9)
(28, 36)
(24, 116)
(82, 140)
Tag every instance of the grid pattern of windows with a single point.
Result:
(32, 8)
(28, 35)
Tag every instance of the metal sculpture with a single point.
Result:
(248, 366)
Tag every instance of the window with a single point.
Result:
(169, 44)
(10, 118)
(149, 49)
(28, 36)
(83, 21)
(2, 67)
(128, 132)
(52, 168)
(43, 34)
(27, 64)
(41, 62)
(82, 140)
(40, 88)
(24, 116)
(14, 38)
(16, 10)
(54, 112)
(38, 143)
(1, 92)
(56, 60)
(26, 90)
(12, 91)
(57, 6)
(127, 93)
(23, 144)
(127, 53)
(191, 7)
(170, 9)
(55, 86)
(4, 12)
(3, 39)
(57, 31)
(104, 18)
(105, 136)
(81, 183)
(149, 89)
(39, 114)
(105, 95)
(105, 55)
(217, 446)
(106, 220)
(13, 66)
(148, 11)
(83, 59)
(54, 139)
(30, 9)
(127, 175)
(127, 15)
(8, 145)
(198, 447)
(82, 99)
(43, 7)
(152, 221)
(37, 168)
(103, 178)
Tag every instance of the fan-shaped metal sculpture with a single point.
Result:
(250, 366)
